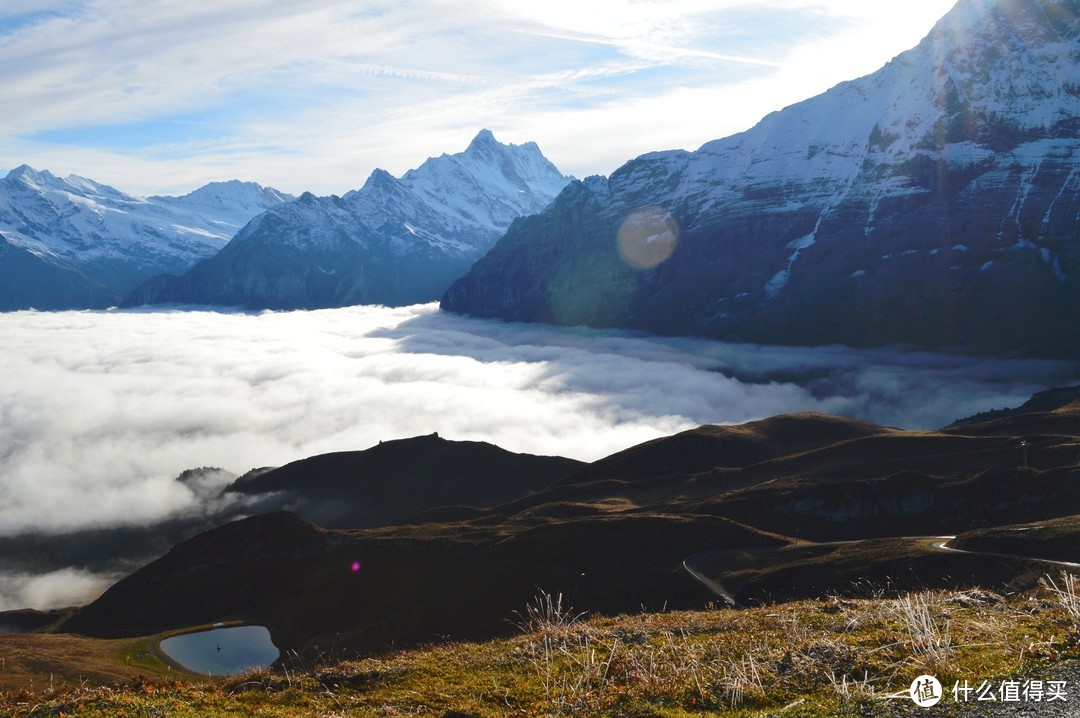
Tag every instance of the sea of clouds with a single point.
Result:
(100, 411)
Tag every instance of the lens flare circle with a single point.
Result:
(648, 236)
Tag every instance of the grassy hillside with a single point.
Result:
(396, 479)
(830, 657)
(1056, 539)
(614, 534)
(415, 583)
(39, 663)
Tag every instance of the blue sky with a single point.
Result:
(154, 96)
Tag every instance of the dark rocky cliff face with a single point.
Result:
(935, 203)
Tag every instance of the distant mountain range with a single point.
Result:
(393, 241)
(68, 243)
(74, 243)
(935, 202)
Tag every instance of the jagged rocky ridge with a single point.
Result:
(72, 242)
(935, 202)
(393, 241)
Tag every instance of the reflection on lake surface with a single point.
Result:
(222, 651)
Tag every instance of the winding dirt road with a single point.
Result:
(938, 543)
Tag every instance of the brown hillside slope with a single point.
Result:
(1057, 539)
(396, 479)
(612, 540)
(711, 447)
(699, 462)
(414, 583)
(1063, 421)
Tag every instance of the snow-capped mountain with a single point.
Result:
(72, 242)
(229, 205)
(393, 241)
(935, 202)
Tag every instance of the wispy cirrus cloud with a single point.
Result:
(155, 96)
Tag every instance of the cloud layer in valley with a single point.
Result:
(100, 411)
(55, 589)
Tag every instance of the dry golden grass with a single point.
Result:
(40, 662)
(834, 657)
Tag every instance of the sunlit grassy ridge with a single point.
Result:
(620, 532)
(831, 657)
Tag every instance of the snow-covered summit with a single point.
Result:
(935, 201)
(393, 240)
(459, 204)
(43, 181)
(114, 240)
(235, 198)
(464, 198)
(491, 183)
(996, 66)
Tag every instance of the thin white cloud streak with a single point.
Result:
(326, 85)
(654, 50)
(99, 412)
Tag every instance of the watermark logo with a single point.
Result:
(926, 691)
(1012, 691)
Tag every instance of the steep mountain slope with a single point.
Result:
(393, 241)
(72, 242)
(414, 480)
(1048, 400)
(412, 583)
(613, 535)
(29, 280)
(934, 202)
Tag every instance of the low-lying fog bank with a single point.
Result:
(100, 411)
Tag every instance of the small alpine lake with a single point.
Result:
(222, 651)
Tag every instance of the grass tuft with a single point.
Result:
(852, 691)
(1067, 595)
(929, 641)
(546, 615)
(741, 679)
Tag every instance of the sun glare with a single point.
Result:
(648, 237)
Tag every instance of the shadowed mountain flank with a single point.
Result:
(612, 536)
(932, 203)
(396, 479)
